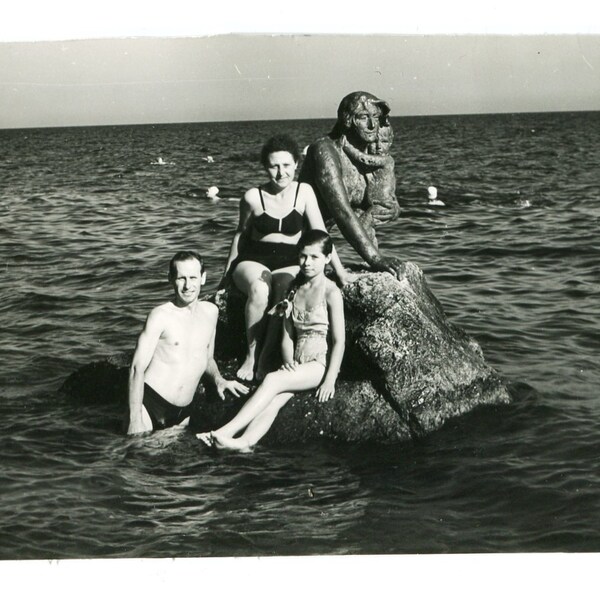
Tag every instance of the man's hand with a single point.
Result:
(136, 425)
(392, 265)
(235, 387)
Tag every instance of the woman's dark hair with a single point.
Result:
(316, 236)
(279, 143)
(180, 257)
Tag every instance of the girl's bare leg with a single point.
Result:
(304, 377)
(254, 280)
(257, 428)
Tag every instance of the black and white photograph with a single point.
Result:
(296, 293)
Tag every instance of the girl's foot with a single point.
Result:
(228, 443)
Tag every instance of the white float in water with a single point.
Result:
(212, 192)
(160, 161)
(208, 159)
(432, 195)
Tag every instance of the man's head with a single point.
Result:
(187, 276)
(359, 116)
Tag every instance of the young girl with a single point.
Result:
(313, 308)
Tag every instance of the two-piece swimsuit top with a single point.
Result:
(291, 224)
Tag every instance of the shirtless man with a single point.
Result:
(173, 351)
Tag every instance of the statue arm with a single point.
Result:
(332, 190)
(385, 203)
(315, 221)
(329, 182)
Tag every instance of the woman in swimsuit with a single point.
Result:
(313, 308)
(262, 260)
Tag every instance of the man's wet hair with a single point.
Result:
(316, 236)
(279, 143)
(181, 256)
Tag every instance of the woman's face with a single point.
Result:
(281, 168)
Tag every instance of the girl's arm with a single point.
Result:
(287, 342)
(335, 308)
(245, 219)
(315, 221)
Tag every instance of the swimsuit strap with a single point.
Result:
(261, 199)
(296, 197)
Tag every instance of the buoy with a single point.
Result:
(432, 195)
(212, 192)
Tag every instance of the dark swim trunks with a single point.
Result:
(163, 414)
(272, 255)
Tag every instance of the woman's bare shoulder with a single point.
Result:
(252, 197)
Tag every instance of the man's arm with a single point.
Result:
(212, 370)
(144, 351)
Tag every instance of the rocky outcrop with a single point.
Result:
(406, 369)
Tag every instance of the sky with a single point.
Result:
(184, 67)
(247, 77)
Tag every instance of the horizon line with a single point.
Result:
(332, 118)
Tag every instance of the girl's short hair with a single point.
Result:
(279, 143)
(316, 236)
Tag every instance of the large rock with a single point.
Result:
(406, 369)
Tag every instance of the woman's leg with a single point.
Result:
(280, 283)
(254, 280)
(304, 377)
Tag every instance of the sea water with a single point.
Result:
(88, 222)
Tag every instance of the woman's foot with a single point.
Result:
(207, 437)
(246, 371)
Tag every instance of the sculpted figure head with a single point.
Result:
(359, 116)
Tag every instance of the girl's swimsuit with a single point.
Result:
(311, 326)
(273, 255)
